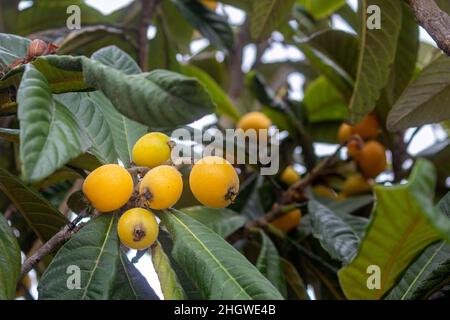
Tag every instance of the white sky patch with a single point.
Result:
(249, 57)
(235, 15)
(198, 45)
(296, 81)
(108, 6)
(145, 266)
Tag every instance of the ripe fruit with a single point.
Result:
(254, 120)
(161, 187)
(137, 228)
(355, 185)
(288, 221)
(151, 150)
(372, 159)
(324, 191)
(210, 4)
(368, 128)
(214, 182)
(37, 48)
(344, 133)
(354, 147)
(290, 176)
(108, 187)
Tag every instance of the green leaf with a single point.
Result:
(406, 56)
(338, 46)
(12, 47)
(267, 16)
(105, 273)
(403, 224)
(130, 284)
(425, 99)
(49, 133)
(222, 221)
(211, 25)
(322, 8)
(323, 102)
(219, 271)
(429, 272)
(158, 99)
(219, 97)
(376, 55)
(168, 279)
(41, 216)
(10, 261)
(269, 263)
(116, 58)
(296, 286)
(334, 234)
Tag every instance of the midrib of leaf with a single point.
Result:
(422, 270)
(126, 135)
(97, 261)
(361, 56)
(212, 256)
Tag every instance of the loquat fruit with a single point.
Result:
(210, 4)
(214, 182)
(288, 221)
(324, 191)
(372, 159)
(161, 187)
(344, 133)
(108, 187)
(254, 120)
(356, 184)
(368, 128)
(151, 150)
(137, 228)
(289, 175)
(354, 147)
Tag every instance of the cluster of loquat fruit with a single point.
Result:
(213, 182)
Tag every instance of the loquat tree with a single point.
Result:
(90, 186)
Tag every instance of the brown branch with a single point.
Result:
(148, 10)
(236, 58)
(51, 245)
(435, 21)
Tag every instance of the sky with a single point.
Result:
(277, 52)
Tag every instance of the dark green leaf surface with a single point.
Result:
(50, 135)
(10, 261)
(222, 221)
(12, 47)
(335, 235)
(268, 15)
(377, 48)
(219, 271)
(158, 99)
(425, 100)
(269, 264)
(41, 216)
(211, 25)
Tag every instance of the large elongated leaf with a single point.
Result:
(296, 286)
(403, 224)
(335, 235)
(49, 133)
(376, 55)
(159, 99)
(322, 8)
(42, 217)
(219, 271)
(222, 221)
(12, 48)
(104, 272)
(269, 264)
(429, 272)
(213, 26)
(168, 279)
(267, 15)
(425, 100)
(10, 261)
(116, 58)
(223, 103)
